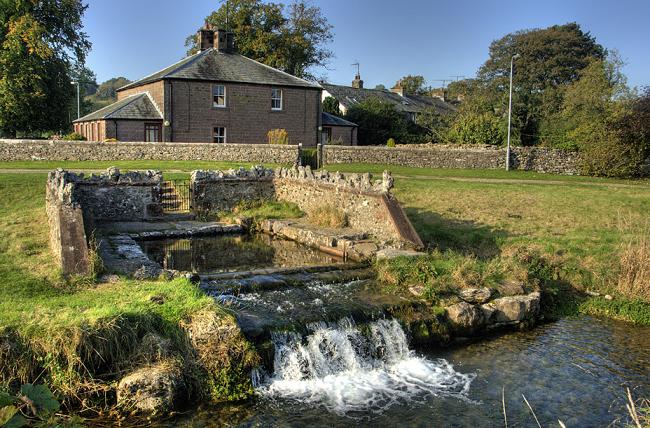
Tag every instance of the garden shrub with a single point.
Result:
(278, 136)
(73, 136)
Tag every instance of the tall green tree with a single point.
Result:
(40, 41)
(291, 38)
(549, 60)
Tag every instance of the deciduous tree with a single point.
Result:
(549, 60)
(412, 84)
(293, 39)
(40, 41)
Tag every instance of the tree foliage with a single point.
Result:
(413, 85)
(106, 93)
(606, 122)
(40, 42)
(108, 89)
(379, 121)
(549, 60)
(291, 38)
(331, 106)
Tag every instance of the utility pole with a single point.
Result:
(512, 61)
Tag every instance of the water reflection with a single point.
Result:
(231, 253)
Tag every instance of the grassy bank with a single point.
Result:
(78, 336)
(583, 228)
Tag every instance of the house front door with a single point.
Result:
(327, 135)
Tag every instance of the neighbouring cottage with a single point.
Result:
(215, 95)
(409, 104)
(338, 131)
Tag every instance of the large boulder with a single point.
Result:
(151, 390)
(465, 318)
(512, 309)
(475, 295)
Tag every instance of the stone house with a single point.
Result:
(215, 95)
(409, 104)
(338, 131)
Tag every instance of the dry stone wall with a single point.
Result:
(26, 150)
(537, 159)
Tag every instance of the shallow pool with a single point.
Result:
(226, 253)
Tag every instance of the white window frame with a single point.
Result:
(216, 137)
(224, 95)
(275, 98)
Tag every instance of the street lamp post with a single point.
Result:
(78, 108)
(512, 61)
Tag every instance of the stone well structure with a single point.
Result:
(75, 203)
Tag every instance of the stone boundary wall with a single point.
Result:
(537, 159)
(26, 150)
(368, 203)
(75, 202)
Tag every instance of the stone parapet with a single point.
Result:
(367, 203)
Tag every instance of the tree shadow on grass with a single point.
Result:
(465, 237)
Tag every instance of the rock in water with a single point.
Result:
(513, 308)
(465, 318)
(150, 390)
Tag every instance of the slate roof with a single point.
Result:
(213, 65)
(138, 106)
(349, 96)
(331, 120)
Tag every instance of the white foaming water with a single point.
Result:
(348, 371)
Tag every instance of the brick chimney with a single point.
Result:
(440, 93)
(205, 37)
(357, 82)
(224, 41)
(397, 89)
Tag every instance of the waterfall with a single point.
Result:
(348, 369)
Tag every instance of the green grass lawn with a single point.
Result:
(488, 174)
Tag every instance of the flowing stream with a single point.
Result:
(353, 372)
(575, 370)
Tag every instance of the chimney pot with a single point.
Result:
(397, 89)
(205, 37)
(224, 41)
(357, 82)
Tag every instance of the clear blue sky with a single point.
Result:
(434, 38)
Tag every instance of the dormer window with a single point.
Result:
(276, 99)
(218, 96)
